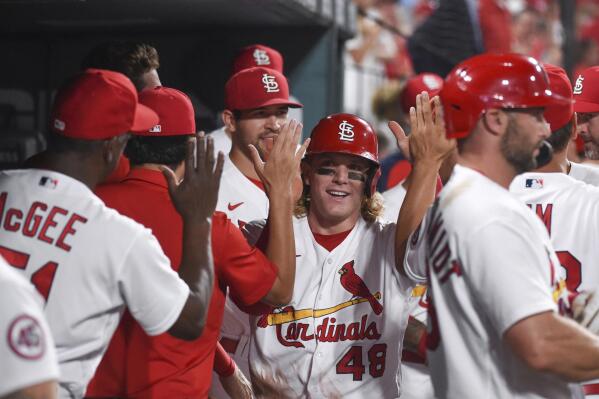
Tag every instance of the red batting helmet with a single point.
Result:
(493, 81)
(347, 134)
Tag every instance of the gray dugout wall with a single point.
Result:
(197, 62)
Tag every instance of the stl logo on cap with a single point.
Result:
(346, 131)
(261, 57)
(270, 83)
(578, 85)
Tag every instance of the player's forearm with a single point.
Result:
(556, 345)
(197, 270)
(44, 390)
(419, 196)
(572, 352)
(415, 332)
(281, 248)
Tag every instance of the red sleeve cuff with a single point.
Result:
(224, 365)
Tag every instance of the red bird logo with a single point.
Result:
(355, 285)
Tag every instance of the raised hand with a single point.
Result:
(427, 140)
(282, 166)
(237, 385)
(196, 195)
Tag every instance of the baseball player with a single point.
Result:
(586, 106)
(256, 102)
(28, 368)
(341, 334)
(567, 207)
(255, 55)
(415, 376)
(87, 261)
(493, 277)
(139, 62)
(396, 167)
(162, 366)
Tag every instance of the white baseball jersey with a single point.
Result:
(88, 262)
(342, 332)
(393, 199)
(585, 172)
(415, 378)
(570, 211)
(490, 265)
(27, 350)
(242, 201)
(222, 141)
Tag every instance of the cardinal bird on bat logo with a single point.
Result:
(356, 286)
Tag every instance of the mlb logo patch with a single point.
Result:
(156, 129)
(534, 183)
(48, 182)
(59, 125)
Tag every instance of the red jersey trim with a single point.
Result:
(331, 241)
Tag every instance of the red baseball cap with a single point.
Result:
(98, 104)
(559, 115)
(586, 91)
(258, 55)
(174, 109)
(429, 82)
(256, 88)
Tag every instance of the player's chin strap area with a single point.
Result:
(545, 154)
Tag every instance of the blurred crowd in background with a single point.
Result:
(397, 39)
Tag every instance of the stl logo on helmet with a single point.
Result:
(346, 131)
(270, 83)
(578, 85)
(261, 57)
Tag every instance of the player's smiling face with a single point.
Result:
(337, 183)
(259, 126)
(588, 129)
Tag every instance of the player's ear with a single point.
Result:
(574, 132)
(229, 120)
(495, 121)
(113, 148)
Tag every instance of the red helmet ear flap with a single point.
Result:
(372, 182)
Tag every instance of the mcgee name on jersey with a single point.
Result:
(52, 225)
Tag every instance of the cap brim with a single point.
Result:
(278, 101)
(144, 119)
(555, 99)
(584, 106)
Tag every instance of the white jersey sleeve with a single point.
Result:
(140, 284)
(393, 199)
(513, 284)
(415, 257)
(588, 174)
(27, 355)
